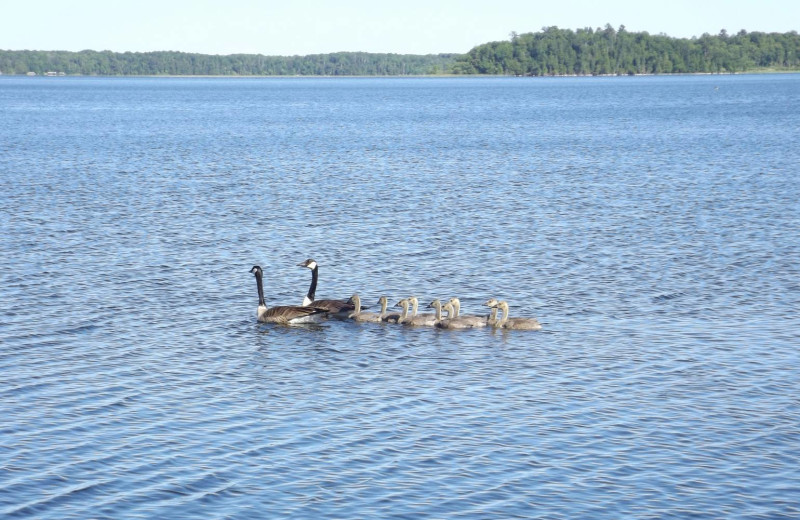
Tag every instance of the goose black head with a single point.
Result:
(310, 263)
(256, 270)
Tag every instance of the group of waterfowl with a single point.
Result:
(314, 311)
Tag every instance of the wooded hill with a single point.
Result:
(554, 51)
(107, 63)
(549, 52)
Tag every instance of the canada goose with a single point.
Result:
(357, 315)
(419, 320)
(491, 321)
(285, 314)
(485, 320)
(387, 317)
(337, 308)
(404, 303)
(515, 323)
(449, 322)
(456, 303)
(461, 322)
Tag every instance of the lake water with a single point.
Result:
(651, 224)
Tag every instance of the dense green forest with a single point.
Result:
(109, 63)
(549, 52)
(554, 51)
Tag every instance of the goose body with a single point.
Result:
(284, 314)
(404, 303)
(492, 304)
(513, 323)
(387, 317)
(460, 322)
(419, 320)
(357, 315)
(338, 308)
(449, 322)
(477, 321)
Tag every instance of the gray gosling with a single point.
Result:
(512, 323)
(482, 320)
(462, 322)
(449, 322)
(357, 315)
(404, 303)
(419, 320)
(491, 321)
(387, 317)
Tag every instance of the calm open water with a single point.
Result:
(651, 224)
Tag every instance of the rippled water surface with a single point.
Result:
(650, 224)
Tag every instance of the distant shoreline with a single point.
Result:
(551, 52)
(409, 76)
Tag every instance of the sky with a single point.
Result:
(301, 27)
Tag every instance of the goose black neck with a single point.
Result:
(260, 284)
(313, 288)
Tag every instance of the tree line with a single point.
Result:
(554, 51)
(107, 63)
(549, 52)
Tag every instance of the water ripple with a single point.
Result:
(136, 383)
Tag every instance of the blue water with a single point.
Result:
(651, 224)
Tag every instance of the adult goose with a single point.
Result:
(284, 314)
(337, 308)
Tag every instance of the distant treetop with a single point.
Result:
(549, 52)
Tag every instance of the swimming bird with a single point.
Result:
(456, 303)
(480, 321)
(338, 308)
(515, 323)
(387, 317)
(357, 315)
(285, 314)
(449, 322)
(461, 322)
(419, 320)
(491, 321)
(404, 303)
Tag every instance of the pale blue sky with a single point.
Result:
(290, 27)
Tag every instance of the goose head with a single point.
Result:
(456, 304)
(310, 263)
(491, 302)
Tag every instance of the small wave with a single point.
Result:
(668, 296)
